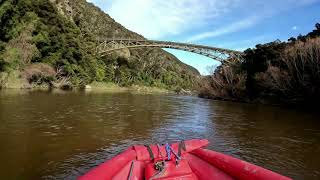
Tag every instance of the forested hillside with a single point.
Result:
(276, 72)
(52, 42)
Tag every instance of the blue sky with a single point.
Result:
(232, 24)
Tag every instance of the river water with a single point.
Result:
(62, 135)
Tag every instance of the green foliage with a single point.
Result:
(56, 38)
(2, 62)
(286, 71)
(10, 59)
(256, 60)
(66, 43)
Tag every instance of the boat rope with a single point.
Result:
(174, 153)
(160, 153)
(182, 146)
(168, 150)
(131, 170)
(178, 158)
(159, 166)
(150, 152)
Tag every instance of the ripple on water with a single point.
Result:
(64, 140)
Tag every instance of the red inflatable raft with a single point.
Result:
(184, 160)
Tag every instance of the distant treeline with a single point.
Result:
(276, 72)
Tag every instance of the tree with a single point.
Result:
(318, 26)
(301, 37)
(292, 39)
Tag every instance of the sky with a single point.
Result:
(231, 24)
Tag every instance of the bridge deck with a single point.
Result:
(176, 43)
(219, 54)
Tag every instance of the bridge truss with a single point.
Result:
(111, 45)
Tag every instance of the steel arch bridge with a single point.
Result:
(111, 45)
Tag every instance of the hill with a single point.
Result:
(52, 42)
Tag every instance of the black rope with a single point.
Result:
(182, 146)
(131, 170)
(150, 152)
(159, 149)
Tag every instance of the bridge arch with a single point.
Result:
(219, 54)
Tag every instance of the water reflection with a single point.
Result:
(60, 136)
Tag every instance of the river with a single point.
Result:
(62, 135)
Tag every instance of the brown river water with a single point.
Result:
(62, 135)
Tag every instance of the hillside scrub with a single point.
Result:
(298, 79)
(225, 83)
(39, 37)
(39, 73)
(276, 72)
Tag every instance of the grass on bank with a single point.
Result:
(110, 86)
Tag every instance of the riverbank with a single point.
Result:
(17, 84)
(281, 73)
(42, 43)
(103, 87)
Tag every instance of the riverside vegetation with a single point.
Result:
(276, 72)
(51, 43)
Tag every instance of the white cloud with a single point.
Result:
(261, 9)
(160, 19)
(156, 19)
(234, 27)
(294, 28)
(243, 44)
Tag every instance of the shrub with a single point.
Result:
(299, 77)
(3, 79)
(10, 59)
(39, 73)
(225, 83)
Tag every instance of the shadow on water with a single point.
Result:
(62, 135)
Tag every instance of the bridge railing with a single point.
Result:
(220, 54)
